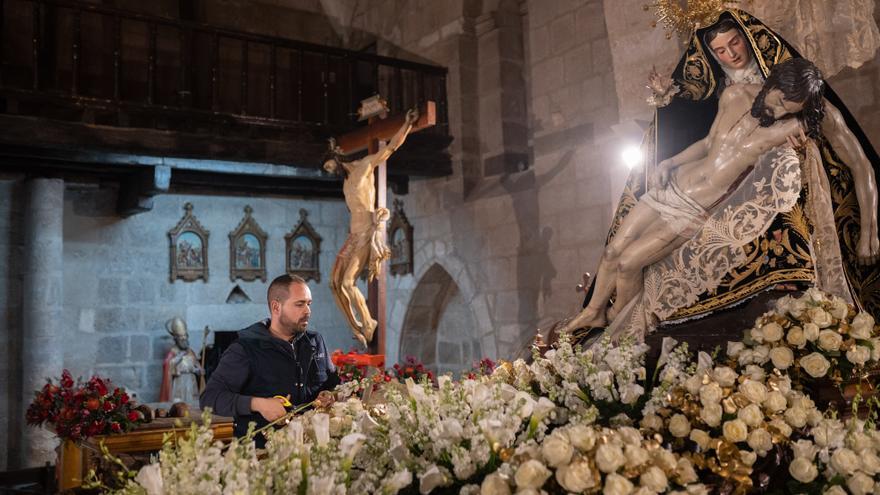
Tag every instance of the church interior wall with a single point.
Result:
(117, 294)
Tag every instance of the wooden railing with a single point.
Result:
(102, 65)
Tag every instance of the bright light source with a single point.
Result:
(631, 156)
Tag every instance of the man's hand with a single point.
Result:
(270, 408)
(868, 249)
(325, 399)
(412, 115)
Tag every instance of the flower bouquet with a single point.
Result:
(78, 410)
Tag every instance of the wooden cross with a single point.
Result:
(368, 138)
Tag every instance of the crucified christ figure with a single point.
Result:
(751, 120)
(365, 245)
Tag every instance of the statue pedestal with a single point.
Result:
(715, 329)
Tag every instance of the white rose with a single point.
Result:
(796, 417)
(556, 449)
(839, 308)
(761, 354)
(815, 365)
(685, 473)
(858, 355)
(845, 461)
(772, 332)
(583, 437)
(803, 470)
(746, 356)
(664, 459)
(858, 441)
(805, 449)
(616, 484)
(635, 455)
(860, 484)
(531, 474)
(748, 457)
(693, 384)
(875, 354)
(811, 331)
(796, 337)
(630, 435)
(775, 402)
(679, 426)
(830, 340)
(782, 357)
(751, 415)
(814, 417)
(820, 317)
(494, 484)
(609, 458)
(711, 393)
(700, 438)
(725, 376)
(781, 426)
(734, 348)
(652, 422)
(576, 477)
(756, 392)
(862, 326)
(150, 479)
(835, 490)
(711, 414)
(735, 431)
(797, 307)
(757, 334)
(755, 372)
(655, 479)
(760, 441)
(870, 461)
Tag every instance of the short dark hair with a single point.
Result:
(801, 81)
(279, 289)
(720, 28)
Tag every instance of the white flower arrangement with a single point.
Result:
(571, 421)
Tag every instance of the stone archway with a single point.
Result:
(439, 326)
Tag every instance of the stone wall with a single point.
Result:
(118, 296)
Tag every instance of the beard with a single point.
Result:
(294, 326)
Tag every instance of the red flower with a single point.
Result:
(133, 416)
(115, 427)
(66, 379)
(108, 406)
(93, 404)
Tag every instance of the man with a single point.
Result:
(365, 245)
(751, 120)
(273, 357)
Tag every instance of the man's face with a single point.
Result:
(776, 105)
(730, 49)
(181, 341)
(293, 314)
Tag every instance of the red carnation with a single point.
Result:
(115, 428)
(108, 406)
(133, 416)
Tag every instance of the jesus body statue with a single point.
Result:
(751, 121)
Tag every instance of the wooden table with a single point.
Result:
(76, 458)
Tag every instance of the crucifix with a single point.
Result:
(364, 187)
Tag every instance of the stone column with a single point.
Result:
(42, 302)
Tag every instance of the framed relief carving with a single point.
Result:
(400, 240)
(247, 249)
(303, 250)
(188, 248)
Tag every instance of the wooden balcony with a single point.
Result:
(91, 90)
